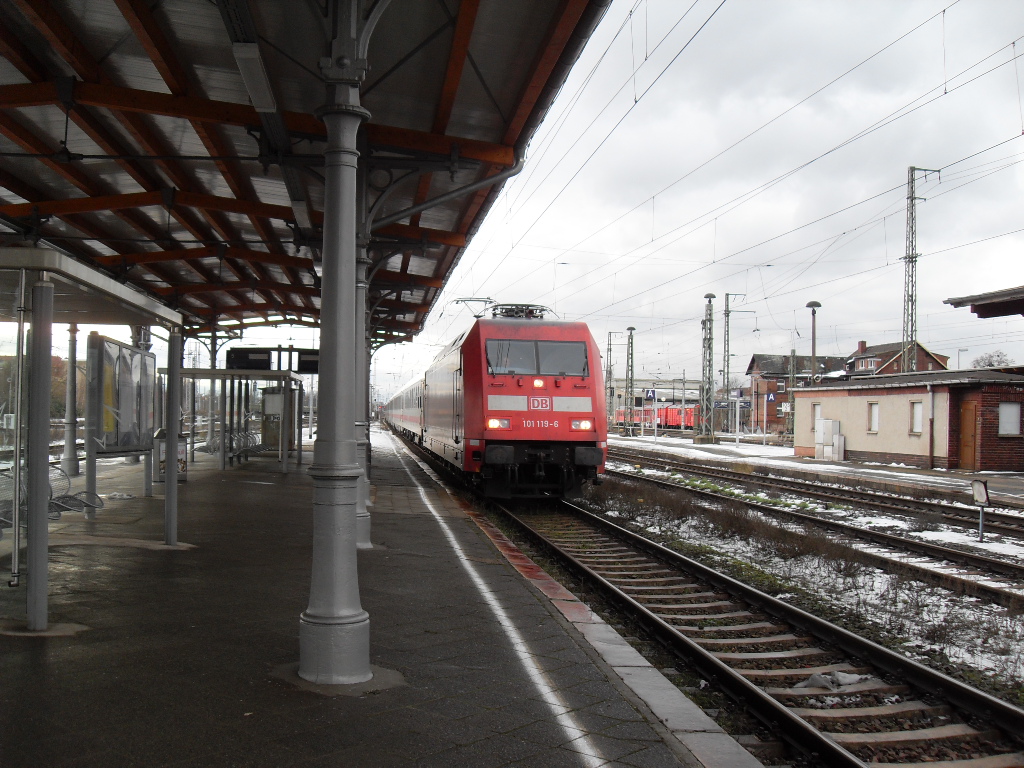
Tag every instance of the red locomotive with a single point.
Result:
(516, 403)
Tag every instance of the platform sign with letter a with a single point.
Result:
(769, 397)
(649, 394)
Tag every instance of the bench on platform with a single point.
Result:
(61, 499)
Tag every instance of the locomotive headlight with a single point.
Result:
(499, 424)
(538, 383)
(584, 424)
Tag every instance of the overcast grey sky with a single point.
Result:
(760, 148)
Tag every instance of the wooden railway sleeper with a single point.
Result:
(791, 664)
(848, 714)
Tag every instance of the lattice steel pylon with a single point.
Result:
(706, 425)
(630, 402)
(908, 356)
(609, 396)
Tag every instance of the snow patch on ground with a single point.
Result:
(932, 621)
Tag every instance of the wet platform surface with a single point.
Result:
(189, 654)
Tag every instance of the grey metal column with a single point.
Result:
(69, 461)
(159, 415)
(93, 363)
(19, 400)
(334, 630)
(362, 433)
(210, 431)
(147, 477)
(223, 424)
(282, 429)
(38, 458)
(245, 413)
(192, 429)
(173, 425)
(297, 430)
(231, 423)
(312, 402)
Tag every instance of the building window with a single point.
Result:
(916, 418)
(872, 417)
(1009, 418)
(817, 415)
(780, 386)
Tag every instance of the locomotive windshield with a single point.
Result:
(530, 358)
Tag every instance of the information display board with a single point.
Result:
(123, 389)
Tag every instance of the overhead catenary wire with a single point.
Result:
(899, 113)
(750, 134)
(778, 288)
(627, 113)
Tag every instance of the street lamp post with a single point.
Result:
(962, 349)
(814, 305)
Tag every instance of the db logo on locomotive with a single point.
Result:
(540, 403)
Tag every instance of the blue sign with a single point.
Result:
(770, 397)
(648, 394)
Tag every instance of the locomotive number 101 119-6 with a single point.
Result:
(539, 423)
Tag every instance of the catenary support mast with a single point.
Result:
(706, 421)
(908, 361)
(630, 383)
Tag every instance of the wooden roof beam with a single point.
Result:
(239, 313)
(409, 232)
(49, 22)
(402, 307)
(182, 289)
(130, 100)
(40, 79)
(181, 82)
(207, 252)
(457, 55)
(558, 35)
(386, 277)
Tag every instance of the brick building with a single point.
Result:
(769, 381)
(881, 359)
(968, 420)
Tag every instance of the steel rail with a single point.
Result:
(1013, 524)
(770, 711)
(1003, 567)
(977, 702)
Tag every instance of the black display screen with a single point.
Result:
(532, 358)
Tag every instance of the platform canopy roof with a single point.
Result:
(1009, 301)
(175, 146)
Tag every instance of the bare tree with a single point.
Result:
(995, 359)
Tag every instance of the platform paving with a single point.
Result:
(186, 656)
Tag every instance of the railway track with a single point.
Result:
(836, 697)
(977, 582)
(959, 515)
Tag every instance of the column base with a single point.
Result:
(335, 651)
(363, 531)
(362, 514)
(71, 467)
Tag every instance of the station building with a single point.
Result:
(770, 380)
(968, 420)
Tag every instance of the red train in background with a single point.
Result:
(669, 417)
(516, 404)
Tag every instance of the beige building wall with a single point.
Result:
(894, 435)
